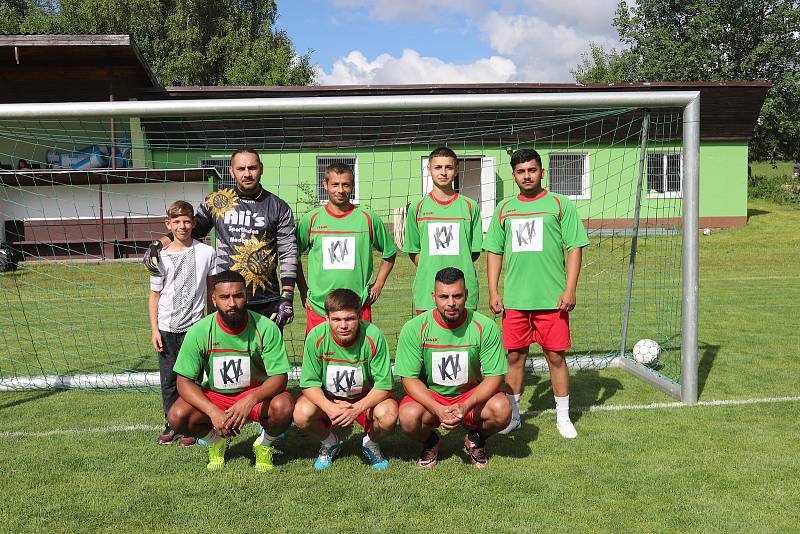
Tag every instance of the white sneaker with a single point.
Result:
(566, 429)
(512, 426)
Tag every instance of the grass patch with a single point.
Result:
(695, 469)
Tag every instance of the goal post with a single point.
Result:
(632, 129)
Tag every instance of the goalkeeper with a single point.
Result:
(255, 237)
(243, 356)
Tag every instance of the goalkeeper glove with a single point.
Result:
(150, 259)
(285, 312)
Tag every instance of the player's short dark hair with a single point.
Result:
(449, 275)
(179, 208)
(228, 276)
(246, 150)
(342, 299)
(340, 168)
(443, 152)
(524, 155)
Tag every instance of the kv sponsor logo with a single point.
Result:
(245, 218)
(426, 213)
(344, 381)
(443, 236)
(525, 233)
(215, 344)
(431, 339)
(231, 371)
(337, 251)
(449, 367)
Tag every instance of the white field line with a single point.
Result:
(602, 408)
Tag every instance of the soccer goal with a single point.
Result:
(85, 186)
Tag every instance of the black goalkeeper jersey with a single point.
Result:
(255, 237)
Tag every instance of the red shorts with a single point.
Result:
(469, 419)
(313, 318)
(224, 401)
(548, 328)
(362, 420)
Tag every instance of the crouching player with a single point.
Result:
(452, 364)
(346, 377)
(242, 354)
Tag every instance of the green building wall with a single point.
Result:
(390, 176)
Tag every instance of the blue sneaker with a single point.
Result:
(279, 437)
(326, 456)
(375, 458)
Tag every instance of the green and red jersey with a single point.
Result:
(444, 234)
(347, 371)
(233, 360)
(532, 235)
(340, 251)
(450, 360)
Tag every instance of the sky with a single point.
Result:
(446, 41)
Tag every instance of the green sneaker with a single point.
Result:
(263, 457)
(216, 454)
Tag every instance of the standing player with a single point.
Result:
(532, 231)
(340, 238)
(346, 377)
(443, 229)
(255, 237)
(451, 362)
(177, 301)
(243, 356)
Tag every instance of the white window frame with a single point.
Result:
(585, 176)
(320, 175)
(665, 194)
(223, 166)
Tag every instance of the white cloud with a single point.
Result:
(542, 52)
(411, 67)
(532, 40)
(593, 15)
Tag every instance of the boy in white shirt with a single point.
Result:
(177, 301)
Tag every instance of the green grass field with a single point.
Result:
(86, 461)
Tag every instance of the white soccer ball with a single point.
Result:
(646, 351)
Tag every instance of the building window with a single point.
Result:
(569, 175)
(664, 174)
(322, 164)
(223, 167)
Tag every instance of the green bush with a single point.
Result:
(773, 182)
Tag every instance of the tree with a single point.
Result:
(185, 42)
(712, 40)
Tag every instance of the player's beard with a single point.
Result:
(234, 319)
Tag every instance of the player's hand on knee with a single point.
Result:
(150, 259)
(285, 312)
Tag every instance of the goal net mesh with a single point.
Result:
(81, 198)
